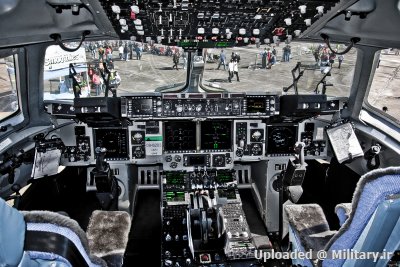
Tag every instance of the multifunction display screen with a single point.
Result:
(114, 140)
(180, 136)
(216, 135)
(255, 105)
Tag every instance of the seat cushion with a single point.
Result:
(108, 232)
(309, 224)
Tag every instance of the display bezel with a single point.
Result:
(205, 125)
(289, 149)
(123, 152)
(167, 145)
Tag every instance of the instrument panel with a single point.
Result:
(199, 105)
(189, 131)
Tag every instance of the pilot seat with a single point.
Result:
(44, 238)
(372, 224)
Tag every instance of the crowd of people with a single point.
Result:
(324, 57)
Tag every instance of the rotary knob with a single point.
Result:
(239, 153)
(168, 237)
(179, 108)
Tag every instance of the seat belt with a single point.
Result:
(54, 243)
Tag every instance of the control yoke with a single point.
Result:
(106, 183)
(294, 174)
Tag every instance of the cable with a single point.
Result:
(353, 41)
(57, 38)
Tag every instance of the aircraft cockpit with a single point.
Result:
(199, 133)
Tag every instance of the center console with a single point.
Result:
(203, 219)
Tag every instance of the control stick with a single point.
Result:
(294, 174)
(101, 165)
(106, 183)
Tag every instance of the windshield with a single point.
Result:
(269, 68)
(134, 67)
(148, 67)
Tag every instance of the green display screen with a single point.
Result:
(205, 44)
(175, 196)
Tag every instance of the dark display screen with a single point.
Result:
(196, 160)
(180, 136)
(228, 193)
(114, 140)
(141, 106)
(216, 135)
(281, 139)
(255, 105)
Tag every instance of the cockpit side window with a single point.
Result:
(384, 94)
(8, 87)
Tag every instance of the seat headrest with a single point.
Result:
(12, 235)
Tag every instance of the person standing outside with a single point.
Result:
(97, 82)
(230, 70)
(126, 51)
(274, 51)
(121, 52)
(222, 60)
(236, 70)
(138, 50)
(108, 53)
(332, 57)
(340, 60)
(101, 53)
(175, 59)
(264, 59)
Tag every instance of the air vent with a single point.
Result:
(149, 176)
(243, 175)
(115, 171)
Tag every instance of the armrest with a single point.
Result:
(343, 210)
(309, 224)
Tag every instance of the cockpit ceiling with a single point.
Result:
(240, 21)
(26, 21)
(235, 22)
(373, 22)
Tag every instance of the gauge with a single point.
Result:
(281, 139)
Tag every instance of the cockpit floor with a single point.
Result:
(254, 220)
(145, 236)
